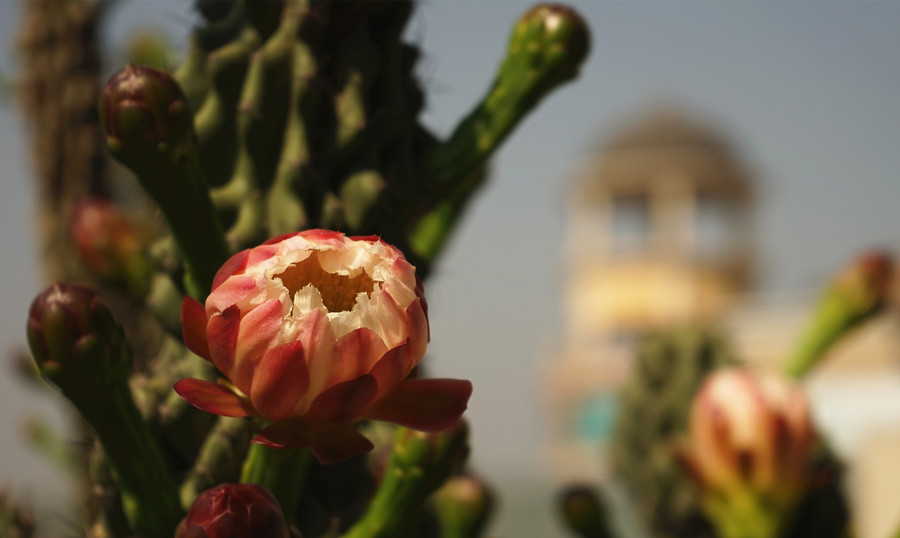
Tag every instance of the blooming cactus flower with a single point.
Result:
(316, 331)
(751, 433)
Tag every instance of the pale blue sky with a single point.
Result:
(808, 91)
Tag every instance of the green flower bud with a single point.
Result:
(463, 506)
(553, 33)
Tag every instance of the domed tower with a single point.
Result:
(659, 231)
(659, 234)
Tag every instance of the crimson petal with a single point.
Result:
(213, 398)
(231, 266)
(344, 402)
(283, 435)
(429, 405)
(193, 326)
(338, 445)
(222, 333)
(279, 381)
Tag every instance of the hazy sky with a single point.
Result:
(808, 92)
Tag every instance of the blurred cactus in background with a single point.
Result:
(283, 116)
(653, 414)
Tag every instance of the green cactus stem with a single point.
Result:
(654, 406)
(547, 47)
(281, 471)
(225, 446)
(419, 464)
(149, 129)
(856, 295)
(82, 350)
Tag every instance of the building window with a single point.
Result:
(630, 223)
(714, 226)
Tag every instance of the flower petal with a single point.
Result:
(279, 381)
(392, 368)
(221, 334)
(193, 327)
(340, 444)
(283, 435)
(258, 329)
(429, 405)
(418, 328)
(229, 292)
(358, 350)
(231, 266)
(213, 398)
(344, 402)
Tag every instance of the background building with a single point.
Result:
(660, 235)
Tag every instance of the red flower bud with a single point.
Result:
(66, 324)
(140, 108)
(234, 511)
(108, 243)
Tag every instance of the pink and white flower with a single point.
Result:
(316, 331)
(751, 432)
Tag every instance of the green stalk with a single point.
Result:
(281, 471)
(221, 450)
(420, 463)
(149, 497)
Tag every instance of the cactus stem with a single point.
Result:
(281, 471)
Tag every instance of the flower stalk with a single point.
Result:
(80, 348)
(281, 471)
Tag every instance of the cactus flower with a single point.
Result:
(109, 244)
(234, 511)
(751, 437)
(316, 331)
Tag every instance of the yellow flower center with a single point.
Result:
(338, 291)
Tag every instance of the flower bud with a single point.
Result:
(865, 283)
(141, 108)
(555, 33)
(463, 506)
(234, 511)
(583, 512)
(109, 244)
(751, 437)
(72, 333)
(856, 295)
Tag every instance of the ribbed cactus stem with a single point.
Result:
(420, 463)
(281, 471)
(286, 210)
(149, 497)
(243, 191)
(546, 49)
(224, 446)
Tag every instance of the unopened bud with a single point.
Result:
(72, 333)
(439, 455)
(463, 506)
(583, 512)
(751, 445)
(556, 36)
(109, 244)
(141, 108)
(234, 511)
